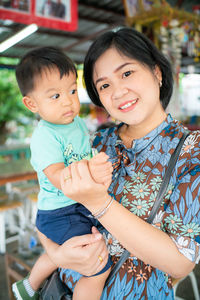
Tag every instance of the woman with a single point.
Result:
(125, 73)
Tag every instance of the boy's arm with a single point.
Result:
(101, 169)
(53, 174)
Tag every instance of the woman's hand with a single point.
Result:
(78, 184)
(79, 253)
(101, 169)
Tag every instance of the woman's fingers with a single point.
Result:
(103, 251)
(83, 170)
(86, 254)
(94, 230)
(90, 258)
(65, 180)
(98, 257)
(71, 182)
(66, 174)
(80, 253)
(88, 239)
(82, 188)
(101, 260)
(96, 249)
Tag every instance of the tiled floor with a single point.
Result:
(184, 290)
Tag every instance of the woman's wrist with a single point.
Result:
(101, 212)
(98, 204)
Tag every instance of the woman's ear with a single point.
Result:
(158, 73)
(30, 104)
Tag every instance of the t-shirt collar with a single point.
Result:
(52, 125)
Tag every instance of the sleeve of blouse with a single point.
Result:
(181, 219)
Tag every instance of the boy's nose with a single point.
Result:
(66, 101)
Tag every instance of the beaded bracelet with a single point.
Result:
(101, 213)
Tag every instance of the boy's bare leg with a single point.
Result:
(40, 271)
(90, 288)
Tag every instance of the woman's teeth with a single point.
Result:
(128, 104)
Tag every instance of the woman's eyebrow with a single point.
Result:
(122, 66)
(115, 71)
(99, 80)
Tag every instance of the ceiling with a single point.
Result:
(94, 17)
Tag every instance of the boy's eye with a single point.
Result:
(56, 96)
(72, 92)
(104, 86)
(127, 73)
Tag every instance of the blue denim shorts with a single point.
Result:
(61, 224)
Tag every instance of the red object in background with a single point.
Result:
(196, 9)
(15, 4)
(192, 127)
(30, 14)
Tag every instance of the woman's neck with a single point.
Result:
(128, 133)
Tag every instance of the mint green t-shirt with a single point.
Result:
(51, 144)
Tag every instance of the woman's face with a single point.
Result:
(128, 90)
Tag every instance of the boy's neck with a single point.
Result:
(56, 123)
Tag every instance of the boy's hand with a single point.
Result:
(101, 169)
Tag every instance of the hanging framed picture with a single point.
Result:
(57, 14)
(133, 7)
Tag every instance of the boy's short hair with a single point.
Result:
(36, 61)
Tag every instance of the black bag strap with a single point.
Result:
(157, 203)
(54, 289)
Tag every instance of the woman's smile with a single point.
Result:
(128, 105)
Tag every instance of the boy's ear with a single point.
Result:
(30, 104)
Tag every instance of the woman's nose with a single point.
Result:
(119, 92)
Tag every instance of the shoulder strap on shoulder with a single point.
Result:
(167, 177)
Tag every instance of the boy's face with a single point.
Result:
(55, 99)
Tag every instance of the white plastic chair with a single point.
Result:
(7, 209)
(194, 286)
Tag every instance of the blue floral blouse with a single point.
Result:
(137, 176)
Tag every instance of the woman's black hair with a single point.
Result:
(36, 61)
(133, 44)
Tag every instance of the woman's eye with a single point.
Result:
(127, 73)
(72, 92)
(56, 96)
(104, 86)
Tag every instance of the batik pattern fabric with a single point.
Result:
(137, 176)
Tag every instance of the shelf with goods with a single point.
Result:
(176, 32)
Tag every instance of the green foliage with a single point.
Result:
(11, 106)
(9, 60)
